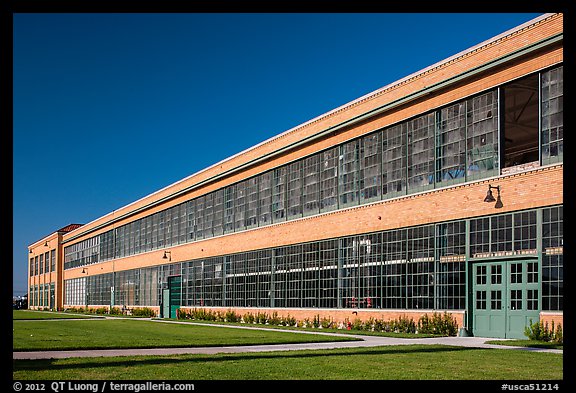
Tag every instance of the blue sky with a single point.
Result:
(108, 108)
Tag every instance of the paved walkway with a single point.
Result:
(366, 341)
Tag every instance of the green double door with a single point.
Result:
(171, 297)
(505, 297)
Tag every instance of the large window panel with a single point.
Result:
(553, 259)
(279, 194)
(421, 153)
(294, 190)
(329, 180)
(394, 161)
(240, 206)
(310, 274)
(251, 219)
(191, 219)
(371, 168)
(218, 215)
(552, 107)
(482, 136)
(199, 217)
(208, 215)
(311, 186)
(265, 199)
(451, 265)
(394, 269)
(421, 273)
(349, 173)
(451, 144)
(229, 199)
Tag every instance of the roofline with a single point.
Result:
(315, 119)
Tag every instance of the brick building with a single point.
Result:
(442, 191)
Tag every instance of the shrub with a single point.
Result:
(440, 324)
(539, 331)
(327, 323)
(231, 316)
(248, 318)
(144, 312)
(274, 319)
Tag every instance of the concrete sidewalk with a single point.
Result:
(365, 341)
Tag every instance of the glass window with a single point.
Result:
(451, 144)
(348, 173)
(218, 213)
(294, 190)
(279, 195)
(421, 153)
(482, 135)
(265, 199)
(240, 206)
(552, 109)
(394, 160)
(229, 199)
(481, 300)
(371, 168)
(311, 185)
(329, 180)
(251, 219)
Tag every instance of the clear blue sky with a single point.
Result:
(109, 108)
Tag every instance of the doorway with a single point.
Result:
(505, 298)
(171, 297)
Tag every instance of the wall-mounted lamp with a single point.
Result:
(46, 244)
(84, 271)
(30, 251)
(490, 197)
(167, 255)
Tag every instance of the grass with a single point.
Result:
(402, 362)
(527, 343)
(405, 362)
(312, 329)
(29, 314)
(130, 333)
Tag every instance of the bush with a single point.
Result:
(539, 331)
(143, 312)
(440, 324)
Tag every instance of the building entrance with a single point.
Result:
(171, 297)
(505, 297)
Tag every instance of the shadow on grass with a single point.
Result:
(51, 364)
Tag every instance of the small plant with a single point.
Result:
(274, 319)
(248, 318)
(539, 331)
(327, 323)
(316, 321)
(144, 312)
(231, 316)
(439, 324)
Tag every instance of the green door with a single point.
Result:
(505, 298)
(522, 297)
(165, 303)
(489, 315)
(175, 288)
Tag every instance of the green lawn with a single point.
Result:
(31, 314)
(403, 362)
(130, 333)
(527, 343)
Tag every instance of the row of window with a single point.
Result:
(43, 263)
(422, 267)
(461, 142)
(42, 295)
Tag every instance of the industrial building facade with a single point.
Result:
(440, 192)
